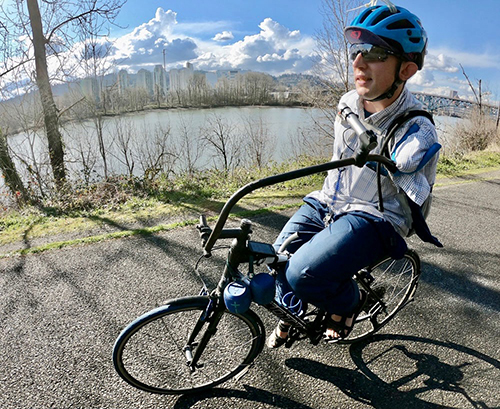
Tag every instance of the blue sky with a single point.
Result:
(277, 36)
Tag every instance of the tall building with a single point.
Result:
(123, 81)
(145, 81)
(180, 79)
(229, 74)
(160, 80)
(175, 81)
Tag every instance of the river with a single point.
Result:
(288, 131)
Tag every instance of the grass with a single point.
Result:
(130, 208)
(462, 164)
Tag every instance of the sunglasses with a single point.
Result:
(370, 53)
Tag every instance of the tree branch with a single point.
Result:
(470, 85)
(107, 12)
(15, 67)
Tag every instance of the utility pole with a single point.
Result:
(164, 65)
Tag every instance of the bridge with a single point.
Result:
(450, 106)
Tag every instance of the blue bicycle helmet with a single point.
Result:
(398, 31)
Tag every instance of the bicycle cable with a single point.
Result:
(197, 270)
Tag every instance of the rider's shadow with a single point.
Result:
(425, 373)
(353, 383)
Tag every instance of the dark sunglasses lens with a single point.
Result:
(369, 52)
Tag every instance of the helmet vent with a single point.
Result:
(400, 24)
(381, 16)
(365, 15)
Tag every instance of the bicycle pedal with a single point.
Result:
(365, 275)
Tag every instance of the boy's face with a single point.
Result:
(375, 77)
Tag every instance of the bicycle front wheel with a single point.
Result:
(394, 284)
(150, 353)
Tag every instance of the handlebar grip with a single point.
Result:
(204, 230)
(203, 221)
(367, 138)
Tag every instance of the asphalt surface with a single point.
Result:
(61, 311)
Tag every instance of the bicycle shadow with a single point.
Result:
(250, 394)
(427, 373)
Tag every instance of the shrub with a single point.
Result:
(477, 133)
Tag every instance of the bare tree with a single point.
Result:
(478, 95)
(190, 149)
(48, 38)
(87, 157)
(223, 141)
(7, 167)
(51, 115)
(332, 46)
(9, 171)
(123, 135)
(95, 62)
(259, 141)
(257, 86)
(310, 142)
(155, 152)
(27, 146)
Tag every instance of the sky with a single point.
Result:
(277, 36)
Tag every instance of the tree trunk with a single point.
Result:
(11, 177)
(50, 114)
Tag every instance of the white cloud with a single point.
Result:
(442, 73)
(423, 78)
(145, 45)
(224, 36)
(440, 62)
(275, 49)
(472, 60)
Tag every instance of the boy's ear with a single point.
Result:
(408, 70)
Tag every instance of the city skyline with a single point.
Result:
(153, 81)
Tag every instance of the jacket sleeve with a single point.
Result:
(415, 153)
(415, 148)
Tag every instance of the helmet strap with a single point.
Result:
(392, 89)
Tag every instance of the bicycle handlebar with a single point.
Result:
(367, 138)
(368, 142)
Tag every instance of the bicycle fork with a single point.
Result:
(212, 314)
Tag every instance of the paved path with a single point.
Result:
(60, 312)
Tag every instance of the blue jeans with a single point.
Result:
(326, 257)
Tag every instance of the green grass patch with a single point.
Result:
(147, 231)
(462, 164)
(133, 204)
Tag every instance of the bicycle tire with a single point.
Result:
(395, 282)
(149, 354)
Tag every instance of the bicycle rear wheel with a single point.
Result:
(150, 353)
(394, 283)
